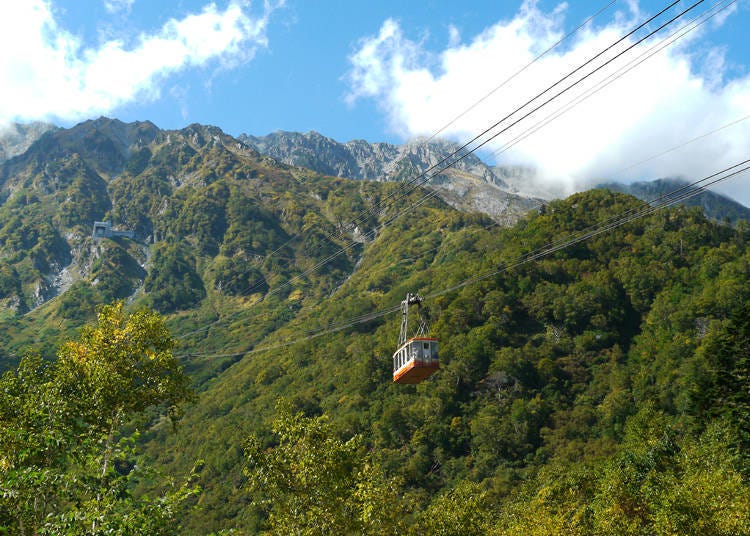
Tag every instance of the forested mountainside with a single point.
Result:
(205, 210)
(601, 388)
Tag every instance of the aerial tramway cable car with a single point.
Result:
(416, 357)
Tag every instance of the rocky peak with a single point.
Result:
(469, 185)
(16, 138)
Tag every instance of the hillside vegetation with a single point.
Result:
(604, 388)
(206, 211)
(601, 389)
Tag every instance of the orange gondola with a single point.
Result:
(417, 356)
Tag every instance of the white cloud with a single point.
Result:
(47, 73)
(673, 96)
(454, 36)
(179, 95)
(116, 6)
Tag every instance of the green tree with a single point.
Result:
(663, 484)
(173, 282)
(462, 510)
(722, 374)
(64, 469)
(121, 366)
(312, 482)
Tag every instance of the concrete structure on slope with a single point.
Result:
(103, 229)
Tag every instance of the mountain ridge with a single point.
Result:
(499, 191)
(714, 205)
(502, 192)
(17, 137)
(101, 169)
(469, 184)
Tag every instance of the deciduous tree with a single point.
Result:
(63, 467)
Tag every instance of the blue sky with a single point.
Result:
(385, 71)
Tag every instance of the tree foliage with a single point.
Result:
(312, 482)
(65, 468)
(173, 282)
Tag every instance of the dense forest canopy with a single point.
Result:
(620, 362)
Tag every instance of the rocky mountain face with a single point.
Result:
(358, 159)
(16, 138)
(469, 184)
(502, 192)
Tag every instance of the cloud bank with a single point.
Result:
(672, 97)
(47, 74)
